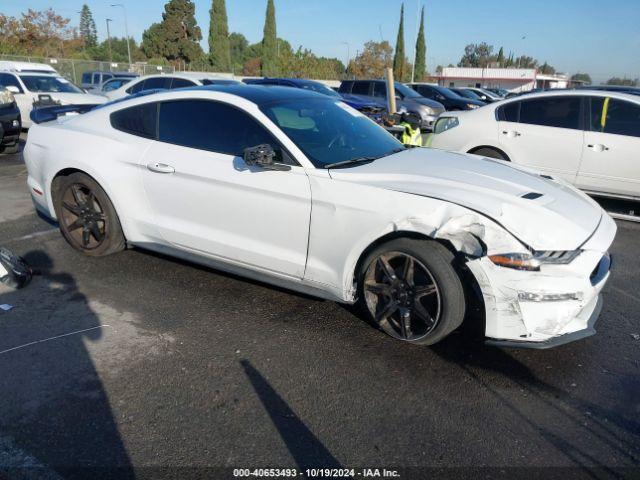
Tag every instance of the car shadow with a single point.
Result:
(54, 413)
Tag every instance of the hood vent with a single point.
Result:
(532, 195)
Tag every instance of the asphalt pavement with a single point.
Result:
(146, 364)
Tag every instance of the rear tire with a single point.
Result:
(86, 216)
(10, 149)
(490, 153)
(411, 291)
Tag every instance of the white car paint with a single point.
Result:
(25, 98)
(306, 228)
(597, 162)
(195, 77)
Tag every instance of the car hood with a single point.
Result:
(425, 101)
(555, 216)
(76, 98)
(361, 102)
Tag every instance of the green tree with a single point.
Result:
(238, 46)
(399, 62)
(270, 43)
(176, 37)
(500, 57)
(219, 51)
(625, 82)
(88, 27)
(547, 69)
(421, 52)
(477, 55)
(582, 77)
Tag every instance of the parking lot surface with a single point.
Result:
(140, 361)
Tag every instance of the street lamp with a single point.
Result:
(109, 41)
(126, 28)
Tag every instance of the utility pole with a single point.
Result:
(109, 41)
(126, 28)
(348, 53)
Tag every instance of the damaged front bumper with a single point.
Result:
(557, 305)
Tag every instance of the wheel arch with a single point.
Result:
(490, 147)
(65, 172)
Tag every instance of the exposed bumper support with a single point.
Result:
(556, 341)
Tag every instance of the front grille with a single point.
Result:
(558, 257)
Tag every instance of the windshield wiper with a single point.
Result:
(349, 163)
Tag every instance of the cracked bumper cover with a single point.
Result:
(568, 296)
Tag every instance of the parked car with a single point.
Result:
(450, 100)
(463, 92)
(484, 95)
(32, 88)
(295, 189)
(113, 84)
(500, 92)
(613, 88)
(92, 81)
(363, 105)
(406, 98)
(596, 150)
(165, 82)
(10, 122)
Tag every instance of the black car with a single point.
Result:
(450, 100)
(10, 123)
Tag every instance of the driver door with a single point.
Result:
(207, 200)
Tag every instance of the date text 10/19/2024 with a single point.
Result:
(316, 473)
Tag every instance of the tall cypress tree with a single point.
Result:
(421, 52)
(399, 58)
(500, 58)
(219, 53)
(87, 28)
(270, 43)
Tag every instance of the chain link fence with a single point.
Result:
(72, 69)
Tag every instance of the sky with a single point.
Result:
(599, 37)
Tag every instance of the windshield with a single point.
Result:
(47, 84)
(329, 131)
(445, 92)
(406, 92)
(319, 88)
(469, 94)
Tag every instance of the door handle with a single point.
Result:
(598, 147)
(511, 133)
(160, 168)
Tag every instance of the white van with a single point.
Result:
(27, 67)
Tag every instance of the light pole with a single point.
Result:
(109, 41)
(348, 53)
(126, 28)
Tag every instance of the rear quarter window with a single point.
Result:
(141, 120)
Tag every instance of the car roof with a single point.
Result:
(579, 92)
(186, 75)
(8, 65)
(261, 95)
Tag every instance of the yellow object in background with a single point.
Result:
(605, 108)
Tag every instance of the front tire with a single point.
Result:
(86, 216)
(411, 291)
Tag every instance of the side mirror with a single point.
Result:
(13, 89)
(263, 156)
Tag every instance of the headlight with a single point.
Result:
(6, 97)
(471, 106)
(445, 123)
(519, 261)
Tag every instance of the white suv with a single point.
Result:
(590, 138)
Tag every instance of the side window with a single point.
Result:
(212, 126)
(609, 115)
(561, 112)
(181, 83)
(157, 82)
(425, 91)
(86, 77)
(345, 86)
(136, 88)
(96, 78)
(141, 120)
(360, 88)
(106, 76)
(380, 90)
(8, 80)
(509, 112)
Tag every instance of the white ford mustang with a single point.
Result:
(299, 190)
